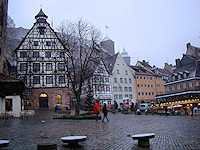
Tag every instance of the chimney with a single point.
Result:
(178, 63)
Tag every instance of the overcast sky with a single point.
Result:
(153, 30)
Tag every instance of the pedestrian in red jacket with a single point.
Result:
(96, 111)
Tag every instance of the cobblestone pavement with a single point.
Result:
(171, 132)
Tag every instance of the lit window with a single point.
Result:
(58, 99)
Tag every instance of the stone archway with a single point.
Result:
(43, 100)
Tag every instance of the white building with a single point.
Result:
(122, 80)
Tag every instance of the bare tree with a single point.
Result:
(82, 48)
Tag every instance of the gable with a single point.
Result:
(41, 36)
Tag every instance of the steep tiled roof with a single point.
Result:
(110, 63)
(140, 70)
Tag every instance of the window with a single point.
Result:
(138, 85)
(144, 78)
(125, 89)
(130, 89)
(173, 88)
(58, 99)
(114, 89)
(121, 81)
(126, 72)
(167, 89)
(148, 86)
(96, 79)
(184, 85)
(36, 67)
(126, 95)
(147, 78)
(130, 80)
(150, 78)
(120, 89)
(107, 88)
(125, 80)
(197, 83)
(62, 55)
(61, 79)
(178, 86)
(115, 80)
(36, 79)
(137, 77)
(140, 78)
(35, 43)
(49, 79)
(48, 66)
(48, 43)
(130, 96)
(152, 86)
(29, 92)
(48, 54)
(23, 54)
(139, 93)
(23, 66)
(61, 66)
(190, 84)
(142, 93)
(146, 94)
(145, 86)
(41, 31)
(149, 93)
(35, 54)
(101, 79)
(115, 96)
(107, 79)
(120, 96)
(117, 71)
(109, 102)
(152, 93)
(141, 85)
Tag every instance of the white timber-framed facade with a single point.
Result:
(41, 61)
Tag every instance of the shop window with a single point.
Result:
(8, 104)
(58, 99)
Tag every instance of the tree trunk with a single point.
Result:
(77, 107)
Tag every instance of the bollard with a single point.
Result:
(46, 146)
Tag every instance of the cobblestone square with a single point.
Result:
(171, 132)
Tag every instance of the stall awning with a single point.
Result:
(176, 94)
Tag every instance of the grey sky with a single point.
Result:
(154, 30)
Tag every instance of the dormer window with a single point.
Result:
(174, 78)
(35, 43)
(48, 43)
(185, 75)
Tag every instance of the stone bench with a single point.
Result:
(4, 143)
(73, 140)
(143, 139)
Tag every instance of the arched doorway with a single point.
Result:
(43, 100)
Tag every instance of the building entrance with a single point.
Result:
(43, 100)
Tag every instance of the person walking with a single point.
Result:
(105, 112)
(96, 111)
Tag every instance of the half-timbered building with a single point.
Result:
(41, 64)
(100, 83)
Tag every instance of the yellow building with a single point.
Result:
(147, 84)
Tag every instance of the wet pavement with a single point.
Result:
(171, 132)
